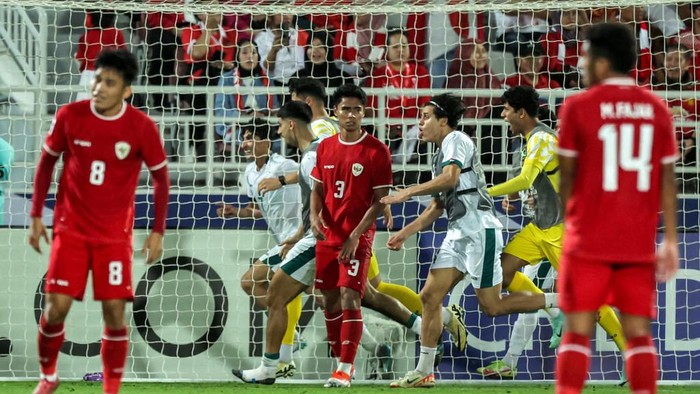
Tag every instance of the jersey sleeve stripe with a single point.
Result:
(382, 186)
(158, 166)
(669, 159)
(567, 152)
(453, 161)
(314, 178)
(51, 151)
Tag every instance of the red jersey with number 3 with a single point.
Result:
(350, 172)
(102, 158)
(620, 134)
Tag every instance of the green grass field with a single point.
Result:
(211, 388)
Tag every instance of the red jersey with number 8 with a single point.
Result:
(620, 134)
(350, 172)
(102, 158)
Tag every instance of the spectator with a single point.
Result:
(359, 48)
(514, 28)
(281, 47)
(563, 47)
(400, 73)
(690, 38)
(529, 63)
(246, 73)
(633, 17)
(319, 62)
(209, 52)
(100, 34)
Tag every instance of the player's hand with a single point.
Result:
(396, 241)
(226, 211)
(347, 252)
(268, 185)
(37, 231)
(152, 247)
(399, 196)
(667, 261)
(507, 206)
(287, 245)
(388, 218)
(317, 226)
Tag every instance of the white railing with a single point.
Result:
(26, 41)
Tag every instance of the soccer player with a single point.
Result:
(7, 157)
(352, 174)
(104, 142)
(616, 151)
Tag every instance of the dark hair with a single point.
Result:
(393, 32)
(296, 110)
(306, 86)
(523, 97)
(448, 106)
(102, 19)
(615, 43)
(259, 128)
(530, 48)
(240, 43)
(547, 117)
(122, 61)
(348, 90)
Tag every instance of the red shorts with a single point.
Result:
(72, 258)
(586, 285)
(353, 274)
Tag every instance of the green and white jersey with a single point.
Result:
(469, 207)
(325, 127)
(306, 165)
(280, 207)
(7, 156)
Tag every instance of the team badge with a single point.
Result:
(122, 149)
(357, 169)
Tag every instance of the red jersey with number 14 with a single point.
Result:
(620, 135)
(350, 172)
(102, 158)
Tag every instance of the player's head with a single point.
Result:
(309, 90)
(114, 74)
(610, 50)
(440, 116)
(256, 138)
(397, 49)
(520, 107)
(349, 106)
(294, 118)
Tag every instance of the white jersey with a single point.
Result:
(325, 127)
(469, 207)
(280, 207)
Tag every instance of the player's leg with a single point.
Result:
(405, 295)
(111, 277)
(607, 319)
(326, 281)
(256, 279)
(65, 281)
(635, 296)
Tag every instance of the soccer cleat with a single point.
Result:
(259, 375)
(414, 379)
(439, 352)
(46, 387)
(385, 361)
(285, 370)
(623, 377)
(456, 327)
(557, 325)
(498, 369)
(338, 379)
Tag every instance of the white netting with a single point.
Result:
(191, 319)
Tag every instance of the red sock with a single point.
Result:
(572, 363)
(115, 344)
(50, 340)
(350, 335)
(334, 321)
(642, 365)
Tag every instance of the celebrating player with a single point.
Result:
(352, 174)
(616, 150)
(104, 142)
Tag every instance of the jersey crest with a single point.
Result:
(357, 169)
(122, 149)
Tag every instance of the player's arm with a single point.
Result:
(247, 211)
(443, 182)
(567, 173)
(540, 149)
(317, 223)
(42, 181)
(425, 219)
(270, 184)
(350, 245)
(667, 262)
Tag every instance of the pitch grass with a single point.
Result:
(227, 388)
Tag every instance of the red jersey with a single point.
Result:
(412, 76)
(94, 41)
(543, 82)
(350, 172)
(102, 159)
(620, 134)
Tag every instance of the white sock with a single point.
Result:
(415, 328)
(50, 378)
(552, 313)
(551, 300)
(269, 362)
(367, 341)
(345, 367)
(446, 315)
(426, 360)
(286, 353)
(523, 329)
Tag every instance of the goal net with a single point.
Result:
(211, 71)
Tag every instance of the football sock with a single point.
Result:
(523, 329)
(572, 363)
(426, 360)
(50, 339)
(642, 365)
(368, 341)
(270, 360)
(446, 316)
(350, 334)
(286, 353)
(293, 315)
(406, 296)
(115, 344)
(334, 322)
(414, 323)
(608, 320)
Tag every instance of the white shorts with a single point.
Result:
(300, 262)
(542, 274)
(272, 257)
(477, 255)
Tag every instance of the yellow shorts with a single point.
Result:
(373, 270)
(533, 244)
